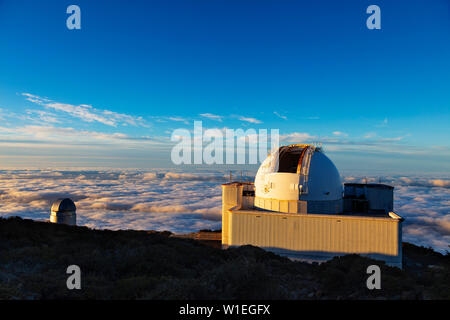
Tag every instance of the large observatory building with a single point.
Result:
(297, 208)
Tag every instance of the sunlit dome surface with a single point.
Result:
(63, 205)
(298, 172)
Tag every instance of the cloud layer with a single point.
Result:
(189, 201)
(160, 200)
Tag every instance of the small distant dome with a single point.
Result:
(63, 211)
(64, 205)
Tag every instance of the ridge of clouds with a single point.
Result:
(162, 200)
(189, 201)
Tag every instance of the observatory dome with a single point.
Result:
(63, 205)
(300, 172)
(63, 211)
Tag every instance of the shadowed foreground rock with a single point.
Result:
(151, 265)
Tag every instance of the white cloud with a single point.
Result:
(440, 183)
(36, 99)
(118, 199)
(211, 116)
(87, 113)
(279, 115)
(178, 119)
(44, 116)
(188, 201)
(250, 120)
(392, 139)
(370, 135)
(82, 112)
(340, 134)
(66, 136)
(296, 137)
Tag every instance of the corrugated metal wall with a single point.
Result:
(315, 234)
(231, 198)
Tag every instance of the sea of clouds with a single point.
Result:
(185, 202)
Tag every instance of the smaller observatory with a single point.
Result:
(64, 212)
(298, 208)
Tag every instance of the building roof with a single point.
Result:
(391, 216)
(369, 185)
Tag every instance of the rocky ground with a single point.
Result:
(34, 257)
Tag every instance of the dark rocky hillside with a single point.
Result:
(152, 265)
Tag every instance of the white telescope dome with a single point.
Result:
(298, 172)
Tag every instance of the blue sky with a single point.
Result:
(111, 93)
